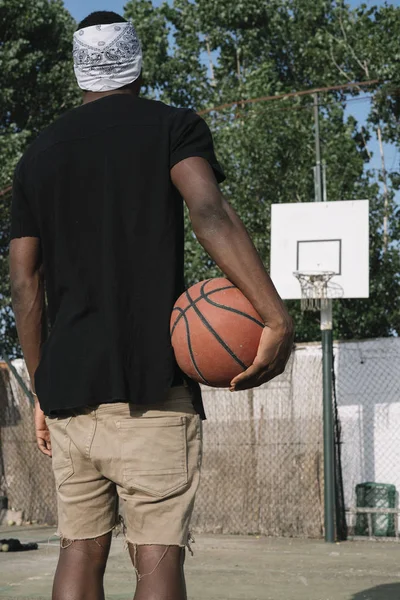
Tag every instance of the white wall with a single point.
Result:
(368, 392)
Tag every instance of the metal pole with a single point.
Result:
(385, 192)
(317, 170)
(327, 354)
(324, 194)
(329, 449)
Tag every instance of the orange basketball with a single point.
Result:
(215, 332)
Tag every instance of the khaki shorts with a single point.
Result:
(148, 456)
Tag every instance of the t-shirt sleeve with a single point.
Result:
(191, 136)
(23, 223)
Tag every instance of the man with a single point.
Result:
(97, 221)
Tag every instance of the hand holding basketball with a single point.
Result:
(273, 353)
(220, 340)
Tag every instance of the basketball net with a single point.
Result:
(316, 289)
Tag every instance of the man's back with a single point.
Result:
(97, 219)
(110, 222)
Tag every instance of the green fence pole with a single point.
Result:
(329, 464)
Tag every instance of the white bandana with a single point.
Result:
(106, 57)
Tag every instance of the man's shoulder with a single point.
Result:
(65, 125)
(165, 110)
(45, 138)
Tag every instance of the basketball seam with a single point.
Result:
(215, 334)
(189, 343)
(229, 308)
(182, 311)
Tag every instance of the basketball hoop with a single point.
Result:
(317, 289)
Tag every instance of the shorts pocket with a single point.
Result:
(62, 464)
(154, 454)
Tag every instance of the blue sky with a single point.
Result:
(81, 8)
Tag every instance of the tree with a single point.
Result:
(202, 54)
(215, 53)
(36, 85)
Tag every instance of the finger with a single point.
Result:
(256, 380)
(255, 376)
(48, 446)
(43, 447)
(240, 380)
(247, 384)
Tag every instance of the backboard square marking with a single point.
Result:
(319, 255)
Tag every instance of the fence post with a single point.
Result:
(329, 465)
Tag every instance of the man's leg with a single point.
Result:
(153, 455)
(159, 572)
(87, 507)
(80, 569)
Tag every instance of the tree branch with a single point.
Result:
(339, 68)
(6, 190)
(212, 76)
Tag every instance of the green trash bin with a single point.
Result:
(376, 495)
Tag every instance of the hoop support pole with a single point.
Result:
(329, 471)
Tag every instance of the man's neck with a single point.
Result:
(92, 96)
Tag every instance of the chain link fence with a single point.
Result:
(263, 449)
(368, 399)
(263, 457)
(26, 477)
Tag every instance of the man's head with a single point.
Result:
(101, 17)
(107, 54)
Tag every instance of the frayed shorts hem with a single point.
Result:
(180, 545)
(188, 544)
(68, 540)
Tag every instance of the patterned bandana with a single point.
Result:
(106, 57)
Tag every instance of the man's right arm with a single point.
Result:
(222, 234)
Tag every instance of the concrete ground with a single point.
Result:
(228, 568)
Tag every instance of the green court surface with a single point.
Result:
(228, 568)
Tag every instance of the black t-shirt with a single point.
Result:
(95, 187)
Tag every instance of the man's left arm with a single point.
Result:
(28, 301)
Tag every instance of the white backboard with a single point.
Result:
(321, 236)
